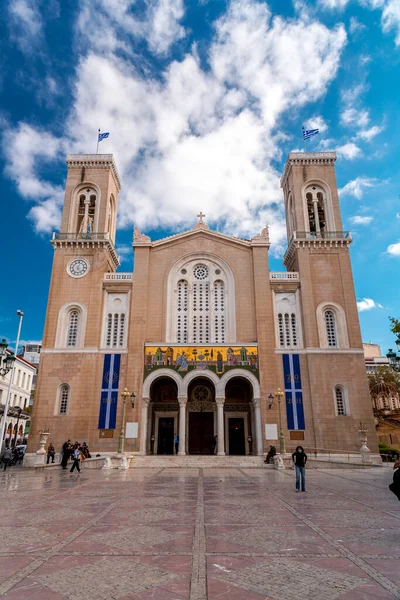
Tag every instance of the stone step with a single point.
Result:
(208, 462)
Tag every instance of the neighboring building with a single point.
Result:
(202, 331)
(31, 353)
(385, 398)
(374, 358)
(21, 388)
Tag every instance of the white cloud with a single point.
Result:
(390, 15)
(124, 252)
(333, 4)
(114, 19)
(199, 139)
(25, 23)
(394, 249)
(367, 304)
(357, 118)
(356, 26)
(369, 134)
(359, 220)
(316, 122)
(357, 186)
(349, 151)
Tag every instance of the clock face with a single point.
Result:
(78, 267)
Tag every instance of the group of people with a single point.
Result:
(76, 452)
(12, 455)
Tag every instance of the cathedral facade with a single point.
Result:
(202, 335)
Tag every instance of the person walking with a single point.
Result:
(299, 460)
(51, 452)
(76, 453)
(176, 443)
(395, 485)
(7, 457)
(66, 451)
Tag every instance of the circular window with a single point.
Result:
(183, 271)
(200, 272)
(201, 393)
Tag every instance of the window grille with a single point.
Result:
(287, 330)
(330, 325)
(340, 403)
(64, 399)
(115, 331)
(73, 323)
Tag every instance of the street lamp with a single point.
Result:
(394, 360)
(7, 405)
(124, 395)
(279, 394)
(6, 360)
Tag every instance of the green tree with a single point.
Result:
(395, 326)
(388, 375)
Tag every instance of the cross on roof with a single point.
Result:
(201, 216)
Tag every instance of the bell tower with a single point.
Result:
(318, 249)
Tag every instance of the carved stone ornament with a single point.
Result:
(139, 237)
(263, 236)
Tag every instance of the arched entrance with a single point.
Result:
(237, 413)
(164, 415)
(201, 416)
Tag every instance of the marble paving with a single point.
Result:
(199, 534)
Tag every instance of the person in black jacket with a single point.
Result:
(299, 459)
(395, 486)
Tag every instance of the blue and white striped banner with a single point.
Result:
(293, 392)
(109, 391)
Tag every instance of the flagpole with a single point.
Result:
(97, 149)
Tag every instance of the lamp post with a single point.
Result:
(394, 359)
(11, 369)
(279, 394)
(125, 394)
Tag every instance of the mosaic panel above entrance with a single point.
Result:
(183, 359)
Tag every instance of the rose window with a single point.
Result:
(200, 272)
(201, 393)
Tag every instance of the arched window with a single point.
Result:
(341, 401)
(115, 336)
(73, 324)
(287, 329)
(318, 211)
(64, 399)
(87, 204)
(200, 303)
(330, 325)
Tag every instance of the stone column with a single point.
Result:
(317, 227)
(86, 216)
(182, 425)
(259, 446)
(143, 425)
(220, 426)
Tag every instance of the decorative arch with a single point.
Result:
(87, 190)
(201, 280)
(63, 324)
(290, 217)
(340, 324)
(150, 379)
(317, 205)
(206, 374)
(111, 225)
(231, 374)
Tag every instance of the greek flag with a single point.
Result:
(293, 392)
(109, 391)
(309, 133)
(103, 136)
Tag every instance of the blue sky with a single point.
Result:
(203, 99)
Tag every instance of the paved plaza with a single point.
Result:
(199, 534)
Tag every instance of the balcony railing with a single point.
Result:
(118, 276)
(323, 235)
(82, 237)
(284, 276)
